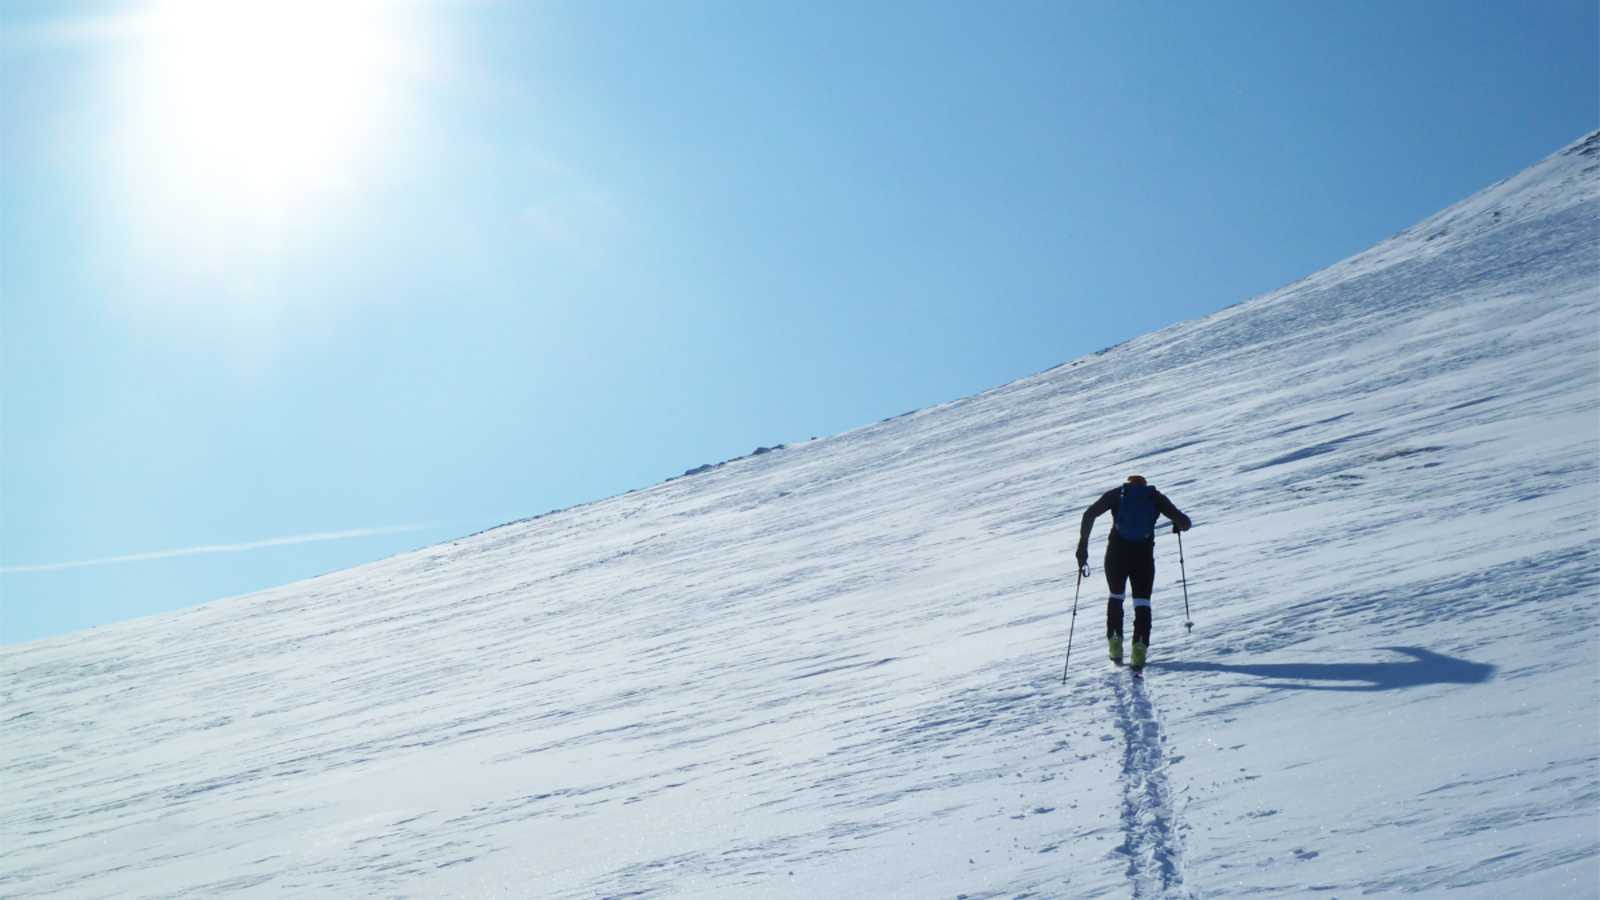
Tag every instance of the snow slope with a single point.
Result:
(835, 670)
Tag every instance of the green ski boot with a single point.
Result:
(1139, 650)
(1116, 650)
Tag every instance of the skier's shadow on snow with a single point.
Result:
(1423, 668)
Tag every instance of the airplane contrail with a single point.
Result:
(313, 537)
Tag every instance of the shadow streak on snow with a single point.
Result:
(1424, 668)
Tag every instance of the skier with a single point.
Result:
(1130, 556)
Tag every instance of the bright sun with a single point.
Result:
(268, 97)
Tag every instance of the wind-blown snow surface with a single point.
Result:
(835, 670)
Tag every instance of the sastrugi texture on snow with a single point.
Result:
(834, 671)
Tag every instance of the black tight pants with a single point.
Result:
(1136, 562)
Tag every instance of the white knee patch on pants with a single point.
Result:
(1141, 601)
(1116, 597)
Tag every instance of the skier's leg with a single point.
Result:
(1141, 620)
(1117, 582)
(1114, 627)
(1144, 577)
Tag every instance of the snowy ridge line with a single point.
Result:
(1152, 839)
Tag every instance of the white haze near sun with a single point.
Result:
(240, 120)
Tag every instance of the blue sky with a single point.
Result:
(283, 290)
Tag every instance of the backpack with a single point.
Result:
(1136, 512)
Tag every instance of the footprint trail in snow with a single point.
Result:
(1152, 840)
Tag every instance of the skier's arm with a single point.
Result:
(1102, 505)
(1180, 522)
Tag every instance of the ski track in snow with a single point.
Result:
(834, 670)
(1152, 836)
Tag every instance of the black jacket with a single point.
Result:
(1110, 501)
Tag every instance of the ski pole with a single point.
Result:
(1188, 620)
(1074, 626)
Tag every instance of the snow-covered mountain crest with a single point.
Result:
(835, 670)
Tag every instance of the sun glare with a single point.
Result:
(266, 97)
(269, 95)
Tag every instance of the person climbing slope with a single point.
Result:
(1130, 556)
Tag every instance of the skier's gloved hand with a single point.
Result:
(1083, 556)
(1180, 525)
